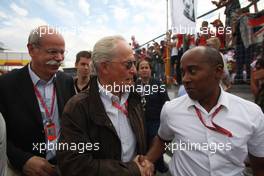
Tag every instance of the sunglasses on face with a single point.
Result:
(127, 64)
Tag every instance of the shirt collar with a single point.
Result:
(36, 79)
(111, 97)
(223, 100)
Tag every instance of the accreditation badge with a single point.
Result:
(50, 131)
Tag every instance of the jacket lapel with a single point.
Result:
(26, 89)
(96, 107)
(59, 96)
(136, 118)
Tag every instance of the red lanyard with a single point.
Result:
(117, 106)
(43, 104)
(216, 127)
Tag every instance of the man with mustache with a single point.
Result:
(31, 100)
(212, 131)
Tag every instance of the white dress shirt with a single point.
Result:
(203, 152)
(120, 122)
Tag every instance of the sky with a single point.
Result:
(83, 22)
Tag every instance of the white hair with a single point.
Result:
(105, 50)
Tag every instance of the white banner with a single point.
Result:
(183, 15)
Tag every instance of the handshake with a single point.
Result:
(145, 166)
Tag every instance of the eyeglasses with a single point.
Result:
(127, 64)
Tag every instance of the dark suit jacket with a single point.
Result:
(19, 106)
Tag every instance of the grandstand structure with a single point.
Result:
(10, 60)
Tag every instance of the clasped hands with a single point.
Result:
(145, 166)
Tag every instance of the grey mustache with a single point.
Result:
(53, 62)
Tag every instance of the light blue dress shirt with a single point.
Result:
(46, 90)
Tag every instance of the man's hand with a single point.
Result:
(37, 166)
(145, 166)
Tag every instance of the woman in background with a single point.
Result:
(154, 95)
